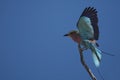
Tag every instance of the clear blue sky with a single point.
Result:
(32, 46)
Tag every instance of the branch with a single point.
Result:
(84, 64)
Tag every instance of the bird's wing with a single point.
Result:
(88, 24)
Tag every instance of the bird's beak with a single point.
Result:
(66, 35)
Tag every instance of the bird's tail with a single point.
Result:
(95, 52)
(96, 56)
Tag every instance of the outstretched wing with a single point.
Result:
(88, 24)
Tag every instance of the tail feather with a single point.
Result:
(97, 57)
(96, 52)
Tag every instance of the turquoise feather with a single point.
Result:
(85, 28)
(96, 53)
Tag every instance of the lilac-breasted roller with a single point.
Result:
(88, 33)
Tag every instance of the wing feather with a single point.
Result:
(88, 16)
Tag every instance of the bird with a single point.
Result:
(88, 33)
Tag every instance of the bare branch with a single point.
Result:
(84, 64)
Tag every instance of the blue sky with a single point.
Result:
(32, 46)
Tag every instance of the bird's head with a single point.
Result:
(74, 35)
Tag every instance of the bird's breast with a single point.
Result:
(76, 39)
